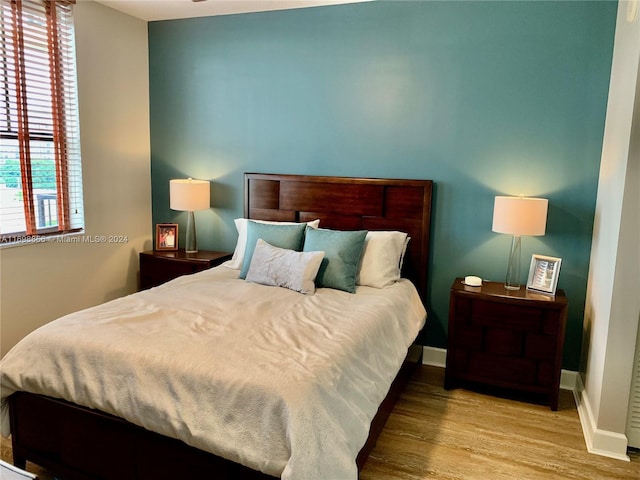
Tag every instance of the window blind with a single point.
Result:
(40, 164)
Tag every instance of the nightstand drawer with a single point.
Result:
(540, 347)
(156, 271)
(493, 314)
(159, 267)
(495, 368)
(171, 268)
(503, 341)
(469, 337)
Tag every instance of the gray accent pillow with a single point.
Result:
(284, 268)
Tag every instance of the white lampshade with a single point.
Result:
(520, 215)
(189, 195)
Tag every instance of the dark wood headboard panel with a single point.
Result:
(344, 203)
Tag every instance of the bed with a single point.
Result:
(78, 442)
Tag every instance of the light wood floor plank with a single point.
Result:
(463, 435)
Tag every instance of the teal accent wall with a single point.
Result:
(485, 98)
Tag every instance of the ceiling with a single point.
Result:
(172, 9)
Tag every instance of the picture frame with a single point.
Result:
(166, 236)
(543, 274)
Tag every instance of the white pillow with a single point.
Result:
(381, 258)
(404, 251)
(284, 268)
(241, 244)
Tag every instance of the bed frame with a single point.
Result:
(76, 443)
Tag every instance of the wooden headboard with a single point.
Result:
(344, 203)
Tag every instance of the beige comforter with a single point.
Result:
(281, 382)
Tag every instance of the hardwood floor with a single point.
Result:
(463, 435)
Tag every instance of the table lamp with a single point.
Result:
(518, 216)
(189, 195)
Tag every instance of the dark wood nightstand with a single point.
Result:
(507, 339)
(157, 267)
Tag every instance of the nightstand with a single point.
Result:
(157, 267)
(507, 339)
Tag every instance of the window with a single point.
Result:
(40, 168)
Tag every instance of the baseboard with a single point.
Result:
(599, 442)
(436, 357)
(568, 380)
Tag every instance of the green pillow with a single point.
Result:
(343, 250)
(282, 236)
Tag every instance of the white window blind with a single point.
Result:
(40, 165)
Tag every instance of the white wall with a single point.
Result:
(613, 304)
(41, 282)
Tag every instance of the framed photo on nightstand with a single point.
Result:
(543, 274)
(167, 236)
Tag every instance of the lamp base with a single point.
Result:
(191, 245)
(513, 268)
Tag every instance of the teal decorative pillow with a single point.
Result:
(341, 258)
(281, 236)
(241, 227)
